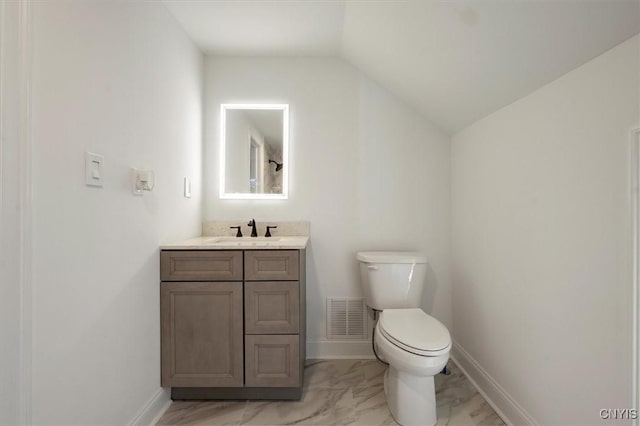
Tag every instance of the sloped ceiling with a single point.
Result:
(454, 61)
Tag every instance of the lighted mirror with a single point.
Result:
(254, 145)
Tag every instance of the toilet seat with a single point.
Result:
(414, 331)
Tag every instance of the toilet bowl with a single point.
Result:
(417, 347)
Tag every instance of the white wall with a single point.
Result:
(120, 79)
(239, 131)
(10, 214)
(366, 170)
(542, 242)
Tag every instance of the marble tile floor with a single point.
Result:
(338, 392)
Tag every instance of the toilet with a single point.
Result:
(415, 345)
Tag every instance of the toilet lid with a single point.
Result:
(415, 331)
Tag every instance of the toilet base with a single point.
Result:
(411, 399)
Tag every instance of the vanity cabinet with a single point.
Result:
(233, 323)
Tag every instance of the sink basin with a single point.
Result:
(243, 240)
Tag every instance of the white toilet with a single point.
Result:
(415, 345)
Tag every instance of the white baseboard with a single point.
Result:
(505, 406)
(153, 409)
(339, 349)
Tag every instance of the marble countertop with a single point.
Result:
(243, 243)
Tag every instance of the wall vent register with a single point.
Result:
(346, 318)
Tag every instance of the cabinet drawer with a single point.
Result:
(271, 307)
(185, 265)
(271, 265)
(272, 360)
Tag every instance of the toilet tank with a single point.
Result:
(392, 280)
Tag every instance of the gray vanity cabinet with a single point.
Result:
(233, 323)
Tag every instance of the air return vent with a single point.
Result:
(346, 318)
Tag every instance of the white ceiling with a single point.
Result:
(454, 61)
(458, 61)
(262, 27)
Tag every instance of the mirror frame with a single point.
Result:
(285, 153)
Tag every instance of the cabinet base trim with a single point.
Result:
(236, 393)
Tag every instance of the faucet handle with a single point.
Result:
(269, 228)
(239, 233)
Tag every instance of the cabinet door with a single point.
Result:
(272, 360)
(271, 265)
(271, 307)
(201, 334)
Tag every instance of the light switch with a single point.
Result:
(187, 188)
(93, 169)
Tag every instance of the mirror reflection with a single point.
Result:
(254, 146)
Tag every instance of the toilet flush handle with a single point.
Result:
(372, 267)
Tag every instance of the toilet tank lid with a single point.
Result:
(391, 257)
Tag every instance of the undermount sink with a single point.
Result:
(243, 241)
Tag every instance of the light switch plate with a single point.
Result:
(93, 169)
(187, 188)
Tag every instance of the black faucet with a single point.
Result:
(239, 233)
(254, 233)
(269, 228)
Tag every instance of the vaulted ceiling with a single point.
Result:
(454, 61)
